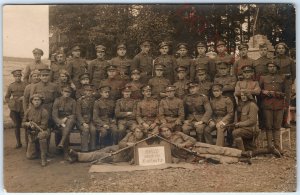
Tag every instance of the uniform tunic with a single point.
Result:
(197, 108)
(63, 107)
(222, 109)
(240, 63)
(103, 112)
(249, 86)
(116, 85)
(144, 63)
(147, 111)
(76, 67)
(260, 67)
(171, 109)
(170, 64)
(181, 88)
(228, 83)
(15, 90)
(97, 71)
(135, 87)
(186, 62)
(158, 85)
(31, 67)
(204, 62)
(204, 87)
(55, 69)
(123, 64)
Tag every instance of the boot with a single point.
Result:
(269, 138)
(43, 160)
(247, 154)
(274, 151)
(73, 156)
(276, 134)
(239, 143)
(18, 137)
(43, 148)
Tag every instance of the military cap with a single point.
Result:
(135, 71)
(100, 48)
(247, 68)
(17, 72)
(170, 88)
(200, 44)
(242, 46)
(159, 67)
(220, 43)
(145, 42)
(37, 50)
(201, 72)
(45, 71)
(271, 62)
(217, 86)
(111, 67)
(127, 88)
(181, 69)
(162, 44)
(283, 44)
(182, 45)
(262, 45)
(36, 71)
(67, 88)
(146, 88)
(88, 87)
(37, 95)
(122, 45)
(84, 76)
(76, 48)
(105, 88)
(192, 84)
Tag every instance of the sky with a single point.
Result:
(25, 27)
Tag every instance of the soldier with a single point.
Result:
(246, 128)
(222, 114)
(260, 64)
(114, 82)
(182, 83)
(171, 110)
(84, 116)
(76, 66)
(97, 67)
(287, 68)
(202, 61)
(244, 60)
(84, 79)
(135, 85)
(103, 116)
(159, 83)
(183, 59)
(125, 113)
(204, 82)
(64, 81)
(13, 98)
(168, 61)
(247, 84)
(38, 132)
(58, 65)
(64, 116)
(198, 112)
(222, 55)
(147, 112)
(35, 78)
(121, 62)
(37, 64)
(274, 86)
(143, 62)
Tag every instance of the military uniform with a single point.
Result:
(183, 61)
(202, 62)
(242, 62)
(228, 81)
(197, 108)
(135, 87)
(205, 85)
(122, 63)
(55, 71)
(97, 70)
(158, 84)
(14, 98)
(27, 90)
(84, 114)
(260, 67)
(181, 86)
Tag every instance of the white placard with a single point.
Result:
(151, 156)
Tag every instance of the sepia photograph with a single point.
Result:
(149, 98)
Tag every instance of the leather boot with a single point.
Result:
(275, 152)
(207, 135)
(276, 134)
(239, 143)
(269, 138)
(18, 137)
(43, 148)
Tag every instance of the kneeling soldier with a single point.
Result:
(36, 123)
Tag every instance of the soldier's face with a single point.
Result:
(85, 81)
(280, 50)
(170, 93)
(111, 73)
(193, 90)
(272, 68)
(243, 52)
(36, 102)
(201, 50)
(76, 54)
(244, 98)
(18, 78)
(221, 48)
(247, 74)
(159, 72)
(164, 50)
(104, 94)
(126, 94)
(181, 75)
(201, 77)
(45, 78)
(138, 134)
(224, 71)
(121, 52)
(135, 77)
(182, 52)
(100, 54)
(60, 58)
(147, 93)
(145, 48)
(37, 56)
(263, 51)
(88, 92)
(63, 78)
(217, 92)
(35, 78)
(66, 93)
(165, 132)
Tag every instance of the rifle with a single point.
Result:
(122, 149)
(34, 125)
(229, 125)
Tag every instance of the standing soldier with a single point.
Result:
(35, 78)
(260, 64)
(147, 112)
(103, 116)
(143, 62)
(222, 55)
(159, 83)
(37, 64)
(121, 62)
(58, 65)
(135, 85)
(202, 61)
(84, 115)
(171, 109)
(14, 98)
(198, 112)
(274, 86)
(168, 61)
(203, 81)
(97, 67)
(183, 59)
(287, 67)
(222, 114)
(125, 114)
(114, 82)
(243, 61)
(76, 66)
(181, 86)
(84, 79)
(38, 132)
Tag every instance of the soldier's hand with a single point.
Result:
(128, 113)
(85, 125)
(182, 145)
(106, 126)
(199, 123)
(237, 125)
(146, 126)
(178, 122)
(130, 144)
(64, 120)
(73, 86)
(27, 124)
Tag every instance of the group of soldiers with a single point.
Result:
(109, 100)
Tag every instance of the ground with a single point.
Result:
(266, 174)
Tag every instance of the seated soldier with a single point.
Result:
(135, 85)
(84, 79)
(36, 124)
(204, 82)
(159, 83)
(222, 114)
(65, 80)
(63, 114)
(126, 155)
(182, 81)
(198, 112)
(125, 114)
(171, 110)
(84, 115)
